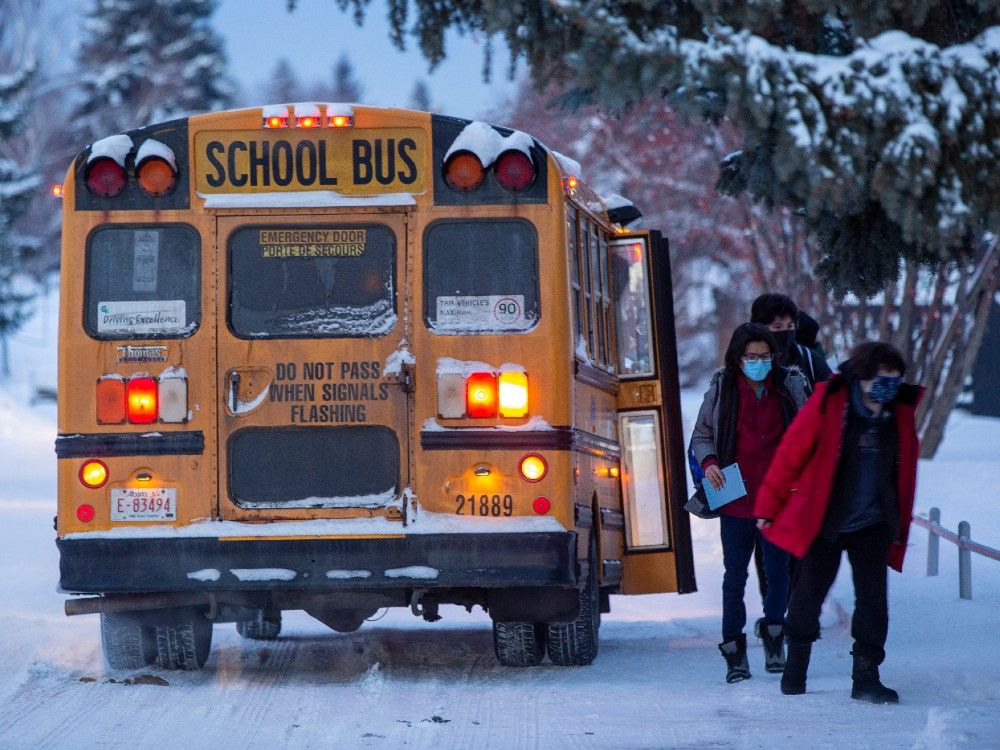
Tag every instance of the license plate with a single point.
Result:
(146, 504)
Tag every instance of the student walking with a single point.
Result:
(843, 480)
(781, 317)
(747, 408)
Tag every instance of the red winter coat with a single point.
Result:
(796, 489)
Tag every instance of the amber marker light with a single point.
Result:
(533, 468)
(340, 121)
(570, 183)
(110, 400)
(57, 191)
(93, 474)
(308, 122)
(156, 177)
(275, 121)
(481, 395)
(513, 388)
(463, 171)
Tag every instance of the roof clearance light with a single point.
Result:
(105, 177)
(93, 474)
(533, 468)
(111, 400)
(339, 121)
(275, 121)
(570, 184)
(142, 401)
(463, 171)
(308, 121)
(57, 190)
(481, 395)
(514, 170)
(156, 177)
(513, 388)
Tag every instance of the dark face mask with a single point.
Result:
(786, 340)
(884, 388)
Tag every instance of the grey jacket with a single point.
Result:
(706, 426)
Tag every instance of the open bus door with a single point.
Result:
(657, 556)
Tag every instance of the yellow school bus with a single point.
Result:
(338, 358)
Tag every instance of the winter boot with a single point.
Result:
(773, 638)
(793, 679)
(735, 654)
(867, 685)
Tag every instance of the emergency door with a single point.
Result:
(657, 556)
(311, 311)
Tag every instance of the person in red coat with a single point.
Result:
(843, 480)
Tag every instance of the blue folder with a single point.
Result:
(733, 489)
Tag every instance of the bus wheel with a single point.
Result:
(125, 642)
(575, 643)
(519, 644)
(264, 627)
(184, 643)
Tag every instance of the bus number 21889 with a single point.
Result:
(484, 505)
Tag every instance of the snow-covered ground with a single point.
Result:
(658, 682)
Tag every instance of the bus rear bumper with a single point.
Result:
(200, 564)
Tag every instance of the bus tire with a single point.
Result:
(574, 644)
(519, 644)
(264, 627)
(125, 642)
(184, 645)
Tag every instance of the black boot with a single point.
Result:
(773, 638)
(867, 685)
(793, 680)
(735, 654)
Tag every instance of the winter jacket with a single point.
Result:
(711, 438)
(796, 491)
(809, 362)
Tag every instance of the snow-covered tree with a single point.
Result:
(17, 183)
(420, 97)
(283, 85)
(144, 61)
(344, 85)
(875, 121)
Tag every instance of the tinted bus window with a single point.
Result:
(142, 282)
(312, 281)
(481, 276)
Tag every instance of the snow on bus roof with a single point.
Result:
(114, 147)
(570, 167)
(153, 147)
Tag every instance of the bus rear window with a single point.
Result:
(481, 276)
(312, 281)
(142, 282)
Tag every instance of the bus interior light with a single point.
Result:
(513, 387)
(481, 395)
(463, 171)
(105, 177)
(93, 473)
(155, 176)
(514, 170)
(142, 400)
(111, 400)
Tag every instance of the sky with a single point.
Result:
(316, 34)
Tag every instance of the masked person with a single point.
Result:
(747, 408)
(781, 316)
(843, 480)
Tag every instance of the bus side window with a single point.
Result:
(572, 250)
(588, 282)
(600, 354)
(634, 334)
(606, 310)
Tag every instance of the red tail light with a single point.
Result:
(463, 171)
(541, 505)
(481, 395)
(514, 170)
(105, 177)
(142, 401)
(85, 513)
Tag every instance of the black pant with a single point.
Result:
(867, 551)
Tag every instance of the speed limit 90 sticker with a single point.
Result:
(488, 312)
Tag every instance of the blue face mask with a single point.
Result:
(756, 371)
(885, 388)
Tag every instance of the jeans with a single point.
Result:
(866, 550)
(739, 535)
